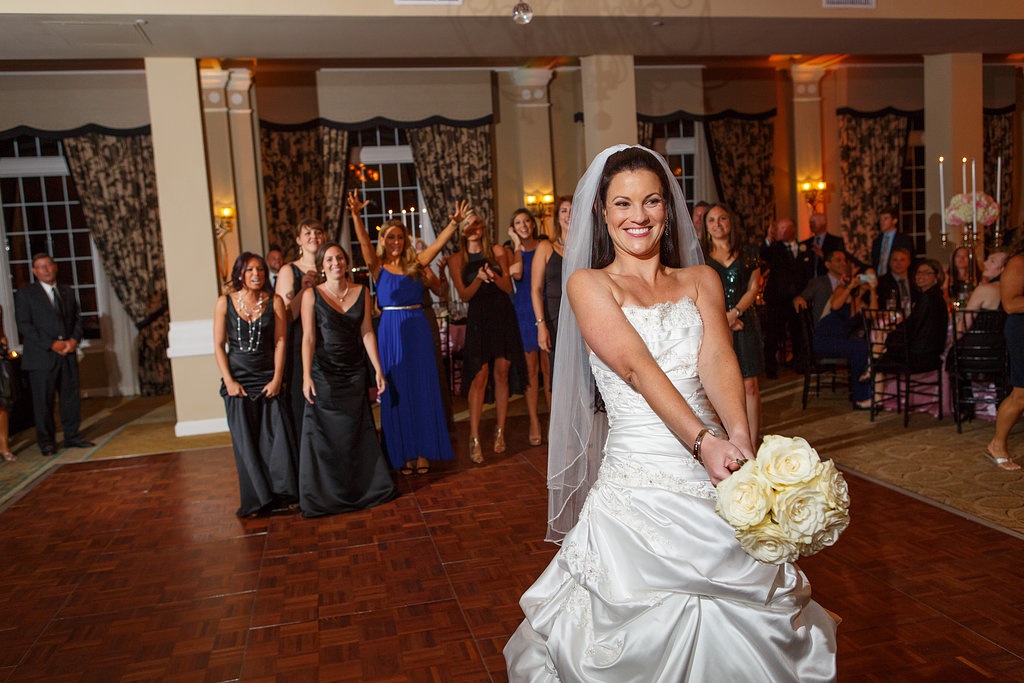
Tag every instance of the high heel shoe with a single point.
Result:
(9, 457)
(535, 439)
(499, 440)
(475, 453)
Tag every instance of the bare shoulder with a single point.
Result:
(499, 251)
(587, 282)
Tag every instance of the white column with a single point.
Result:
(609, 102)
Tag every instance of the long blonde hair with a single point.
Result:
(486, 247)
(407, 260)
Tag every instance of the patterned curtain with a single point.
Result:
(116, 181)
(645, 134)
(293, 181)
(741, 152)
(871, 152)
(335, 156)
(999, 143)
(453, 163)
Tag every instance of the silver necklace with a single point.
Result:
(252, 319)
(341, 297)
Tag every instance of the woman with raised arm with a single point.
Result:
(292, 279)
(412, 414)
(523, 233)
(341, 466)
(546, 288)
(249, 327)
(650, 583)
(481, 272)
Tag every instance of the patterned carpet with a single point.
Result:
(927, 460)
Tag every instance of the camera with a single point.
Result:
(869, 278)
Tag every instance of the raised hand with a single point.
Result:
(461, 211)
(354, 203)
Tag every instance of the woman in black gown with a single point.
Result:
(341, 465)
(251, 321)
(292, 280)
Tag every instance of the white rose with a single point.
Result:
(786, 461)
(767, 543)
(744, 498)
(800, 511)
(833, 486)
(835, 523)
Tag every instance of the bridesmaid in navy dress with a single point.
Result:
(251, 322)
(523, 234)
(341, 465)
(411, 411)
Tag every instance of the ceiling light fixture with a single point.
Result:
(522, 13)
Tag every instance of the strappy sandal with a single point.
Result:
(475, 452)
(407, 469)
(9, 457)
(499, 440)
(424, 468)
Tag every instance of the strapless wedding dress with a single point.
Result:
(651, 584)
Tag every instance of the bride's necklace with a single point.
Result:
(339, 297)
(252, 319)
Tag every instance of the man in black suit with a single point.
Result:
(814, 248)
(785, 279)
(894, 289)
(888, 239)
(50, 326)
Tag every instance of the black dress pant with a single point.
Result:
(45, 384)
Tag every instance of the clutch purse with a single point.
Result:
(8, 383)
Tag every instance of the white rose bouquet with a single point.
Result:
(785, 503)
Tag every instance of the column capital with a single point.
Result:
(213, 83)
(806, 80)
(239, 85)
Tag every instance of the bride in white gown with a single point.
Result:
(650, 583)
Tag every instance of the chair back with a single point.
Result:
(886, 338)
(979, 350)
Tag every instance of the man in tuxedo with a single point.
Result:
(784, 280)
(50, 326)
(895, 284)
(813, 250)
(889, 238)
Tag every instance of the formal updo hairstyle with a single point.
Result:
(627, 160)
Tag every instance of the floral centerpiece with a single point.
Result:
(785, 503)
(961, 209)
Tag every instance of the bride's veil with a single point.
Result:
(577, 433)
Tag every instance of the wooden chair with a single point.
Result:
(890, 360)
(978, 354)
(819, 365)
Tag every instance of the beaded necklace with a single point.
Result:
(252, 318)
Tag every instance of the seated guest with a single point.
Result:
(925, 328)
(960, 278)
(895, 292)
(986, 295)
(835, 300)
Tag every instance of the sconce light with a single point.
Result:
(541, 204)
(814, 192)
(223, 223)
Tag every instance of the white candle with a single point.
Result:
(942, 198)
(999, 188)
(974, 203)
(963, 174)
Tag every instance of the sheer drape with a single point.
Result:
(741, 150)
(871, 152)
(999, 143)
(453, 163)
(116, 181)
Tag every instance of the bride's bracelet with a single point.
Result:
(697, 441)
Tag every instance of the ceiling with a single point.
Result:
(57, 40)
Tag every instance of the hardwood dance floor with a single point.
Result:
(137, 570)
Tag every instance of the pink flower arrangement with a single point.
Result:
(961, 210)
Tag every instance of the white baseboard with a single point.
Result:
(214, 425)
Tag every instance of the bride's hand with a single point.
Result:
(721, 457)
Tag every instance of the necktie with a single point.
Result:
(57, 303)
(883, 257)
(904, 293)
